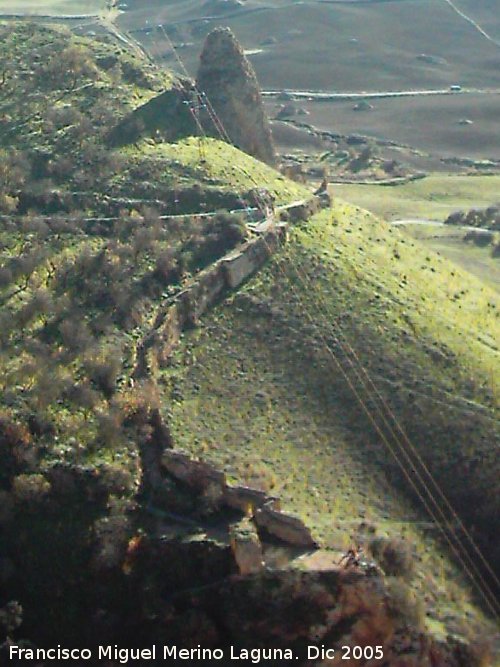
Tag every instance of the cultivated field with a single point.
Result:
(356, 47)
(438, 125)
(338, 46)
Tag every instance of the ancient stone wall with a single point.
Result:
(265, 511)
(228, 273)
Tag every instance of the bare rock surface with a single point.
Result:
(228, 79)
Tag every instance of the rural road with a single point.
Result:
(330, 96)
(438, 223)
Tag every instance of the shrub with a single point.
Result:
(30, 489)
(394, 556)
(16, 448)
(221, 233)
(5, 276)
(11, 616)
(403, 606)
(103, 372)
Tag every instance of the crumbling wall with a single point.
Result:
(265, 511)
(228, 273)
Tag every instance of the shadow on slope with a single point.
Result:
(256, 391)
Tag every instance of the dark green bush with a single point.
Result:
(394, 556)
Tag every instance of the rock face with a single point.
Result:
(246, 548)
(285, 527)
(228, 79)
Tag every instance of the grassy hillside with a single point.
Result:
(85, 259)
(434, 198)
(215, 165)
(254, 389)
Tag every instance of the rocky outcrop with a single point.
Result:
(229, 82)
(285, 527)
(245, 499)
(196, 474)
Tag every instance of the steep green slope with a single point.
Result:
(85, 258)
(256, 391)
(92, 241)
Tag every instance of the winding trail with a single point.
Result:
(438, 223)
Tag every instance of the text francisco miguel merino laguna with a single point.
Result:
(126, 655)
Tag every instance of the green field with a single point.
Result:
(52, 7)
(432, 198)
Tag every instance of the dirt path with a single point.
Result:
(473, 23)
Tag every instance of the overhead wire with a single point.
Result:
(381, 404)
(218, 124)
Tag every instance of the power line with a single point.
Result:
(384, 411)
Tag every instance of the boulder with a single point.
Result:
(246, 499)
(198, 475)
(288, 528)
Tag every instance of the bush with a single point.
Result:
(16, 448)
(30, 489)
(103, 372)
(221, 233)
(394, 556)
(403, 606)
